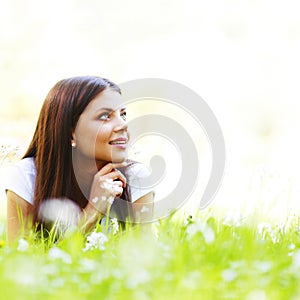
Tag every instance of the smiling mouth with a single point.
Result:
(118, 143)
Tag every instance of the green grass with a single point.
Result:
(184, 258)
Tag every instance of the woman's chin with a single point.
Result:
(118, 159)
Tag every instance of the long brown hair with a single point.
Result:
(51, 144)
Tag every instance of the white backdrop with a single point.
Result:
(242, 57)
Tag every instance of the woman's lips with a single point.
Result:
(119, 142)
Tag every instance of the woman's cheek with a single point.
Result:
(103, 134)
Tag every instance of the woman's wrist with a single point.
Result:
(89, 217)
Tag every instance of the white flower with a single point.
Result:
(234, 219)
(63, 213)
(115, 225)
(197, 226)
(208, 235)
(291, 246)
(88, 265)
(263, 266)
(267, 229)
(56, 253)
(58, 282)
(191, 280)
(296, 259)
(107, 184)
(95, 200)
(144, 209)
(96, 240)
(22, 245)
(136, 278)
(264, 227)
(165, 250)
(2, 228)
(229, 275)
(111, 200)
(257, 295)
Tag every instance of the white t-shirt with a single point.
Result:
(21, 179)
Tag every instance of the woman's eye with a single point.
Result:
(104, 117)
(123, 115)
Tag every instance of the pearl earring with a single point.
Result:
(73, 144)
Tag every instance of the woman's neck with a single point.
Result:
(85, 170)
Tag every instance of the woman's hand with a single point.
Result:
(107, 185)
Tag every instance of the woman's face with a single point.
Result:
(101, 131)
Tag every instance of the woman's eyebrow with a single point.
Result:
(109, 109)
(104, 108)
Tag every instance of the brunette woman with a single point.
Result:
(78, 154)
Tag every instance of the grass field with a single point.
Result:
(199, 257)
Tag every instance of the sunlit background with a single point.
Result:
(241, 57)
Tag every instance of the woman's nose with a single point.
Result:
(121, 124)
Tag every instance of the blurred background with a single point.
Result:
(241, 57)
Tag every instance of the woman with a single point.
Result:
(78, 152)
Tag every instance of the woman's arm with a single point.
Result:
(107, 184)
(19, 216)
(88, 218)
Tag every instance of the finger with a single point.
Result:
(110, 167)
(111, 186)
(116, 174)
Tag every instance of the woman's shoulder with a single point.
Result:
(26, 164)
(24, 167)
(137, 174)
(21, 178)
(138, 179)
